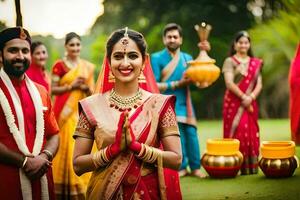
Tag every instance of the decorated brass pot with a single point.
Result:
(278, 159)
(202, 71)
(222, 158)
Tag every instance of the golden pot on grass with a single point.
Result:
(278, 159)
(222, 158)
(202, 71)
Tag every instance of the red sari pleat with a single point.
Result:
(294, 81)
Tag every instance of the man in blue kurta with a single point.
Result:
(169, 67)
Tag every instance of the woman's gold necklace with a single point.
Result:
(124, 103)
(243, 63)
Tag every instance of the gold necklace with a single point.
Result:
(243, 64)
(124, 103)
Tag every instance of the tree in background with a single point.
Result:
(19, 19)
(275, 41)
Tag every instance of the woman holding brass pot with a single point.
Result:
(242, 74)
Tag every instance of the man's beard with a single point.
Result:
(172, 48)
(12, 70)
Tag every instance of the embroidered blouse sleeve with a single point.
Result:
(168, 123)
(84, 128)
(228, 66)
(57, 72)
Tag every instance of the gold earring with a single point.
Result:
(142, 78)
(111, 77)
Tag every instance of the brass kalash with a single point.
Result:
(202, 71)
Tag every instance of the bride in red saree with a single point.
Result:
(135, 131)
(240, 111)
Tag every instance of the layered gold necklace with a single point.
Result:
(124, 103)
(244, 62)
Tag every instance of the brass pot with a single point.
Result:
(202, 71)
(278, 159)
(278, 168)
(222, 158)
(222, 166)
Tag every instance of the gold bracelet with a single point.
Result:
(174, 84)
(100, 159)
(24, 162)
(151, 154)
(243, 96)
(162, 86)
(48, 154)
(252, 96)
(69, 87)
(141, 153)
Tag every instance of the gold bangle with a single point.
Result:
(162, 86)
(174, 84)
(24, 162)
(141, 153)
(48, 154)
(151, 154)
(252, 96)
(69, 87)
(100, 159)
(243, 96)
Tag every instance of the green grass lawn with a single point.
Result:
(243, 187)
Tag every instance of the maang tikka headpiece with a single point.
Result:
(125, 39)
(245, 34)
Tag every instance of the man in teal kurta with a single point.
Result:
(169, 67)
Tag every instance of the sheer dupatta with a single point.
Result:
(147, 82)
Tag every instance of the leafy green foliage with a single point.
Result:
(275, 42)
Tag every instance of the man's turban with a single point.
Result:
(13, 33)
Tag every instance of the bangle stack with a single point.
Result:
(149, 154)
(100, 158)
(252, 96)
(174, 84)
(162, 86)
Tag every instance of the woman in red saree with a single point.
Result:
(294, 80)
(72, 80)
(37, 71)
(240, 111)
(135, 131)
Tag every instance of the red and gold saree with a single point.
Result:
(242, 123)
(127, 177)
